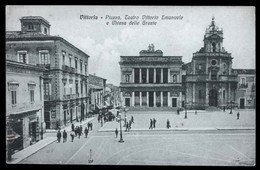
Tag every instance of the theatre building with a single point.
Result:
(151, 79)
(210, 80)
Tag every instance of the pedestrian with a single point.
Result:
(58, 136)
(64, 136)
(238, 115)
(129, 125)
(91, 125)
(195, 112)
(72, 134)
(132, 119)
(101, 122)
(72, 127)
(168, 124)
(81, 130)
(224, 108)
(126, 127)
(116, 132)
(178, 111)
(151, 124)
(154, 121)
(86, 132)
(98, 118)
(76, 131)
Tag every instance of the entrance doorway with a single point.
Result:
(213, 97)
(174, 102)
(127, 102)
(47, 119)
(242, 103)
(151, 99)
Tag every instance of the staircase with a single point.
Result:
(212, 108)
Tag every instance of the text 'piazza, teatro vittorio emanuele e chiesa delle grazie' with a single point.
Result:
(153, 80)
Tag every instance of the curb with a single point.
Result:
(34, 151)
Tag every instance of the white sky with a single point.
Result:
(105, 43)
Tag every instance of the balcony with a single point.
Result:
(243, 86)
(25, 107)
(68, 69)
(70, 96)
(47, 66)
(48, 98)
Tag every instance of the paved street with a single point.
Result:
(197, 147)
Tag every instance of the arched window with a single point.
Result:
(213, 47)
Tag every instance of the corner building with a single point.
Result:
(65, 81)
(210, 80)
(151, 79)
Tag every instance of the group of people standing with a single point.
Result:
(128, 125)
(75, 132)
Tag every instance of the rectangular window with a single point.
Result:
(32, 95)
(158, 75)
(151, 75)
(137, 75)
(86, 69)
(13, 97)
(77, 91)
(165, 75)
(44, 58)
(143, 74)
(70, 59)
(127, 78)
(46, 89)
(243, 81)
(200, 94)
(76, 63)
(81, 66)
(63, 57)
(81, 88)
(22, 57)
(224, 94)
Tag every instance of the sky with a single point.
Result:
(176, 37)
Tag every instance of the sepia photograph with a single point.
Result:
(130, 85)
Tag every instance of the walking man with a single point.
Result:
(72, 127)
(238, 115)
(116, 132)
(64, 136)
(72, 134)
(58, 135)
(86, 132)
(80, 130)
(91, 125)
(224, 108)
(168, 124)
(126, 127)
(132, 119)
(154, 121)
(151, 124)
(129, 125)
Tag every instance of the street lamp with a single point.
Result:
(121, 136)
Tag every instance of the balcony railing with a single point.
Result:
(241, 86)
(47, 66)
(70, 96)
(205, 77)
(68, 69)
(212, 54)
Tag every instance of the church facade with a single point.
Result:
(151, 80)
(209, 79)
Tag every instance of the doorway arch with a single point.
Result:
(213, 97)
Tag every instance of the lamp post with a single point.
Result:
(121, 135)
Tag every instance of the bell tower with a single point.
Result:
(213, 38)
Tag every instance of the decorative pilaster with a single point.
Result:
(147, 95)
(154, 99)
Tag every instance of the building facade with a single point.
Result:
(112, 95)
(24, 103)
(65, 81)
(151, 79)
(97, 87)
(209, 78)
(246, 96)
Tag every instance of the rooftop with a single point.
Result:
(35, 18)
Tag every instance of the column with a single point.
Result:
(133, 98)
(207, 94)
(169, 75)
(147, 95)
(180, 99)
(169, 98)
(193, 93)
(147, 75)
(140, 94)
(194, 66)
(154, 76)
(154, 99)
(161, 99)
(133, 75)
(122, 100)
(140, 75)
(207, 60)
(161, 75)
(229, 93)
